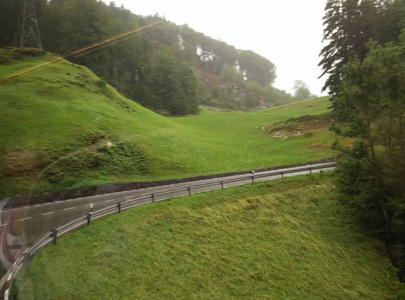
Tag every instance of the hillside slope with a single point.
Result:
(63, 127)
(288, 239)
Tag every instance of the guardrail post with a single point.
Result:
(89, 218)
(253, 178)
(119, 207)
(222, 184)
(310, 170)
(189, 191)
(153, 197)
(54, 236)
(27, 262)
(89, 214)
(282, 174)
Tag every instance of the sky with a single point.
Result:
(287, 32)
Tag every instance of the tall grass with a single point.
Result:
(288, 239)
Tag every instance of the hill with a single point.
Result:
(150, 60)
(63, 127)
(273, 240)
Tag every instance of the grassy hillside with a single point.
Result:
(62, 127)
(288, 239)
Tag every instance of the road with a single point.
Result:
(22, 226)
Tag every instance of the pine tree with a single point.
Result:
(348, 25)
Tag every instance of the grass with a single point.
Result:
(61, 127)
(288, 239)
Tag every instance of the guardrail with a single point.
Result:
(53, 235)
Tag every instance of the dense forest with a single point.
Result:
(165, 67)
(364, 60)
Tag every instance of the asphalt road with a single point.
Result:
(33, 221)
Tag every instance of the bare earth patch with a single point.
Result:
(304, 126)
(20, 162)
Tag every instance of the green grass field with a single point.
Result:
(62, 127)
(287, 239)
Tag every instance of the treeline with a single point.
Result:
(168, 68)
(365, 63)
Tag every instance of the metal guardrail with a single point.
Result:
(53, 235)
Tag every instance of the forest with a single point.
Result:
(364, 61)
(168, 68)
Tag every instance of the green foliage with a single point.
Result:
(278, 97)
(366, 82)
(358, 186)
(230, 74)
(372, 175)
(348, 25)
(286, 239)
(101, 84)
(234, 91)
(301, 91)
(256, 68)
(127, 158)
(230, 78)
(174, 85)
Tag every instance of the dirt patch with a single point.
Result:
(319, 146)
(303, 127)
(20, 162)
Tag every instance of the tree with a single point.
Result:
(255, 94)
(230, 74)
(301, 90)
(278, 97)
(366, 82)
(189, 85)
(348, 25)
(10, 11)
(257, 68)
(173, 86)
(373, 173)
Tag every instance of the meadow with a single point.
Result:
(62, 127)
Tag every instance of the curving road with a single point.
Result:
(20, 227)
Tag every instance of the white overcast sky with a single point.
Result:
(287, 32)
